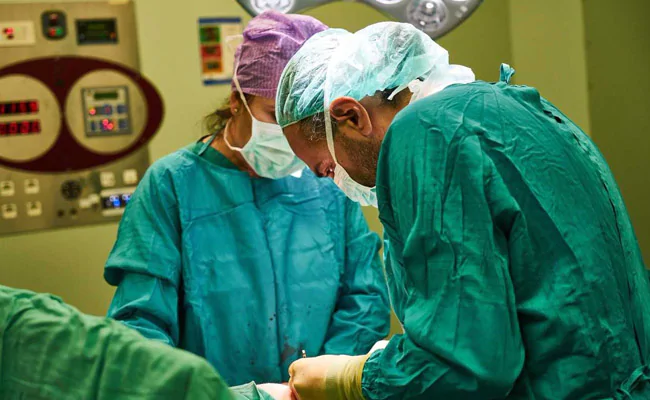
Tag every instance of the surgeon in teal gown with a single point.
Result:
(511, 259)
(217, 258)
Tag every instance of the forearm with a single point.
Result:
(148, 305)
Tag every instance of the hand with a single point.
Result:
(277, 391)
(380, 345)
(327, 378)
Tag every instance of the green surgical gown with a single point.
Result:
(511, 260)
(51, 351)
(246, 272)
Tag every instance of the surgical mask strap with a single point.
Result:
(225, 139)
(396, 91)
(328, 119)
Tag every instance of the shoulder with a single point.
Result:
(172, 164)
(451, 100)
(457, 109)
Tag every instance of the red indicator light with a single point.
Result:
(105, 122)
(92, 111)
(9, 31)
(16, 128)
(19, 107)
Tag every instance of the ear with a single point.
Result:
(235, 102)
(348, 111)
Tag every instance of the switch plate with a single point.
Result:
(7, 188)
(32, 186)
(34, 208)
(130, 176)
(107, 179)
(9, 211)
(22, 33)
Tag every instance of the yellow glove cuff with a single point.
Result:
(343, 380)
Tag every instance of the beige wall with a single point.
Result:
(549, 53)
(618, 43)
(70, 262)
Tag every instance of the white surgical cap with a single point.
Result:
(336, 63)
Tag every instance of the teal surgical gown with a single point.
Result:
(246, 272)
(511, 260)
(50, 350)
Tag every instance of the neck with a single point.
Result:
(233, 156)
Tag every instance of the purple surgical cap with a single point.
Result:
(270, 40)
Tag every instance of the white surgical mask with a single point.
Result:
(355, 191)
(267, 151)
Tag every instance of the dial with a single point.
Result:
(71, 189)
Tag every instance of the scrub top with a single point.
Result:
(246, 272)
(511, 259)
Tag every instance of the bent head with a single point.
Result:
(350, 79)
(358, 129)
(253, 140)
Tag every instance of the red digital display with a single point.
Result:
(19, 107)
(19, 128)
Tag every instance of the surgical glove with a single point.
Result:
(380, 345)
(277, 391)
(327, 378)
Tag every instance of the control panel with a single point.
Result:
(75, 114)
(107, 111)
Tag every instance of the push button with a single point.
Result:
(107, 179)
(7, 188)
(34, 208)
(9, 211)
(32, 186)
(130, 176)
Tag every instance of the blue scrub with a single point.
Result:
(246, 272)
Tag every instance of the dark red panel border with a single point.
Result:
(60, 74)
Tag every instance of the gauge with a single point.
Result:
(71, 189)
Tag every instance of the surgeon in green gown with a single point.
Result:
(51, 351)
(511, 259)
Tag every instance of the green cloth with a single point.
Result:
(50, 350)
(511, 260)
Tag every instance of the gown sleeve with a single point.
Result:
(145, 263)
